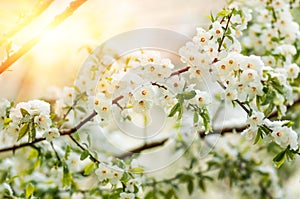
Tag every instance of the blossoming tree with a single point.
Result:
(229, 110)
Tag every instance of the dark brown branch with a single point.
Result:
(116, 101)
(74, 5)
(78, 126)
(221, 131)
(72, 107)
(56, 154)
(15, 147)
(143, 148)
(242, 105)
(83, 149)
(158, 85)
(224, 34)
(62, 133)
(38, 10)
(183, 70)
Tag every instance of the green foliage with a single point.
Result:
(88, 169)
(84, 155)
(23, 130)
(177, 108)
(67, 177)
(29, 190)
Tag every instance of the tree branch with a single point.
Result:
(143, 148)
(62, 132)
(183, 70)
(224, 33)
(15, 147)
(221, 131)
(83, 149)
(73, 6)
(38, 10)
(78, 126)
(116, 101)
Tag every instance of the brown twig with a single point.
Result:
(73, 6)
(78, 126)
(83, 149)
(224, 33)
(116, 101)
(159, 86)
(143, 148)
(146, 146)
(15, 147)
(62, 132)
(183, 70)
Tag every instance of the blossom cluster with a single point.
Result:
(31, 119)
(259, 83)
(115, 175)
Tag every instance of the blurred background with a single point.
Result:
(57, 58)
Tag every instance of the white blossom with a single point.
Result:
(51, 133)
(292, 70)
(116, 175)
(127, 195)
(285, 136)
(102, 105)
(256, 119)
(103, 173)
(250, 133)
(202, 98)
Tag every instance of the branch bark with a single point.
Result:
(143, 148)
(62, 132)
(221, 131)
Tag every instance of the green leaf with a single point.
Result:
(137, 170)
(222, 13)
(188, 95)
(269, 109)
(125, 177)
(149, 195)
(67, 177)
(24, 112)
(81, 109)
(88, 169)
(268, 97)
(296, 14)
(180, 113)
(221, 174)
(280, 158)
(196, 117)
(7, 121)
(175, 108)
(84, 155)
(32, 133)
(190, 186)
(67, 153)
(33, 154)
(206, 119)
(201, 185)
(258, 136)
(29, 190)
(88, 138)
(211, 17)
(170, 194)
(23, 131)
(288, 124)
